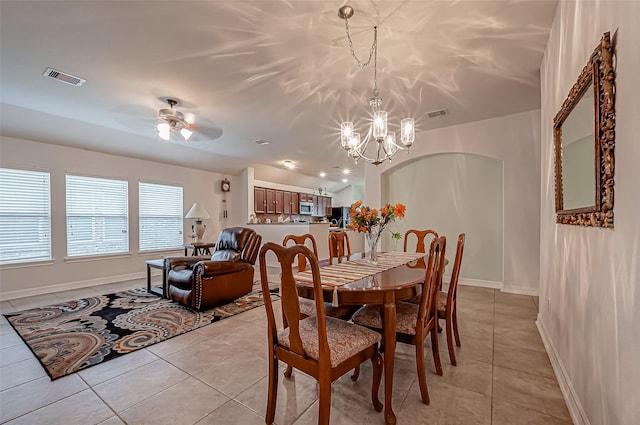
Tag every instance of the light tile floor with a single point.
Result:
(218, 375)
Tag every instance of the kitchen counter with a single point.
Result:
(290, 222)
(275, 232)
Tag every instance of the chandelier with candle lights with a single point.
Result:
(385, 145)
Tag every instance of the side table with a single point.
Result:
(156, 264)
(199, 248)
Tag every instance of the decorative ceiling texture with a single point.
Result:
(274, 70)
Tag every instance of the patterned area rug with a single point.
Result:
(74, 335)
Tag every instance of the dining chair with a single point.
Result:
(338, 246)
(320, 346)
(415, 321)
(448, 304)
(307, 306)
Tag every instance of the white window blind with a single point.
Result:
(25, 216)
(97, 216)
(160, 216)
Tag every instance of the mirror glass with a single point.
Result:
(578, 155)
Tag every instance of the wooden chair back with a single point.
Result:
(421, 235)
(449, 311)
(429, 299)
(455, 272)
(301, 240)
(339, 246)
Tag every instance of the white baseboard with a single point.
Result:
(69, 286)
(477, 282)
(578, 415)
(521, 290)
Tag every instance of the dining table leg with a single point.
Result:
(389, 330)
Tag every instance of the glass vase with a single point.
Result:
(372, 247)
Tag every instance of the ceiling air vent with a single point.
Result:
(436, 114)
(64, 77)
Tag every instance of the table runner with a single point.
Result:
(342, 273)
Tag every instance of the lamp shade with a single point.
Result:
(197, 212)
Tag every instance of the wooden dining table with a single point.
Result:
(385, 288)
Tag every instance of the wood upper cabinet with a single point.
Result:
(303, 197)
(259, 200)
(271, 201)
(279, 206)
(295, 203)
(314, 210)
(324, 206)
(286, 205)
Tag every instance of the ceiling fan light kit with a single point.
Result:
(386, 145)
(170, 119)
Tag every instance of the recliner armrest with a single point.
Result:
(213, 268)
(173, 262)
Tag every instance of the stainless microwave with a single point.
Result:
(306, 208)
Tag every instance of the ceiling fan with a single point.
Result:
(173, 121)
(170, 119)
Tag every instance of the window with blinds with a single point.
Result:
(160, 216)
(25, 216)
(97, 216)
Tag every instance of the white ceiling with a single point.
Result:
(274, 70)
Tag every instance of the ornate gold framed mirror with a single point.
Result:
(584, 141)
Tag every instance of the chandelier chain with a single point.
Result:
(373, 46)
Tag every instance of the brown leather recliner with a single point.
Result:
(203, 282)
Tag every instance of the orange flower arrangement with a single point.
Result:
(367, 220)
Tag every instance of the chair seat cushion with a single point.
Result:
(406, 317)
(345, 339)
(442, 300)
(308, 308)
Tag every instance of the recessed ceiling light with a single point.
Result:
(261, 142)
(289, 165)
(344, 180)
(323, 174)
(346, 171)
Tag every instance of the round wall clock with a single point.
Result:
(225, 185)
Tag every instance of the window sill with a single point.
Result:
(155, 252)
(97, 257)
(25, 264)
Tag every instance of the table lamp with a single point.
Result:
(199, 213)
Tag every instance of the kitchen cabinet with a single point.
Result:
(271, 201)
(279, 206)
(259, 200)
(286, 204)
(327, 206)
(324, 206)
(295, 203)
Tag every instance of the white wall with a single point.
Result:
(198, 186)
(590, 277)
(467, 199)
(515, 141)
